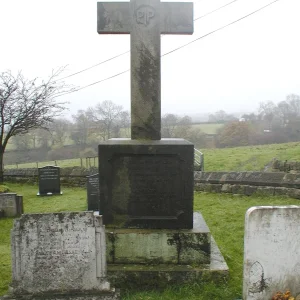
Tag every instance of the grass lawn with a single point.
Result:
(223, 213)
(250, 158)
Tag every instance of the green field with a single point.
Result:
(250, 158)
(208, 128)
(223, 213)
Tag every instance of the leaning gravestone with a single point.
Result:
(272, 252)
(11, 204)
(93, 192)
(49, 181)
(59, 256)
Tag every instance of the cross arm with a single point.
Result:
(113, 17)
(176, 18)
(117, 17)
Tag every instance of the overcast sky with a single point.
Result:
(234, 69)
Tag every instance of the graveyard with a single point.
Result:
(222, 212)
(139, 229)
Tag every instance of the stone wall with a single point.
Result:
(245, 183)
(248, 183)
(73, 176)
(285, 166)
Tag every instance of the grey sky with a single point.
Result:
(254, 60)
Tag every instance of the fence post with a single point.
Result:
(81, 162)
(37, 164)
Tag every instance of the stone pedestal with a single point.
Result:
(146, 198)
(147, 184)
(147, 258)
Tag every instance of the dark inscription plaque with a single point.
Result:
(151, 181)
(146, 184)
(93, 192)
(49, 181)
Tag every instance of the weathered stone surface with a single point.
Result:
(249, 190)
(146, 246)
(272, 251)
(49, 181)
(145, 20)
(155, 276)
(59, 254)
(237, 189)
(146, 184)
(92, 184)
(281, 191)
(11, 204)
(294, 193)
(265, 191)
(226, 188)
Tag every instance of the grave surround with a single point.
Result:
(272, 252)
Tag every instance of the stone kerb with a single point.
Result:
(65, 258)
(271, 254)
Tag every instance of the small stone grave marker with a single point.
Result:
(272, 252)
(49, 181)
(11, 204)
(61, 255)
(93, 192)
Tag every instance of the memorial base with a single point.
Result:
(145, 269)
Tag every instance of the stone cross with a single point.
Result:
(145, 20)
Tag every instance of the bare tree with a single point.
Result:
(59, 129)
(82, 127)
(106, 117)
(169, 123)
(27, 104)
(43, 138)
(175, 126)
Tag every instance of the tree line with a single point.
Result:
(30, 117)
(273, 123)
(99, 123)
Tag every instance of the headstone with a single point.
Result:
(61, 255)
(272, 252)
(146, 182)
(93, 192)
(49, 181)
(11, 204)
